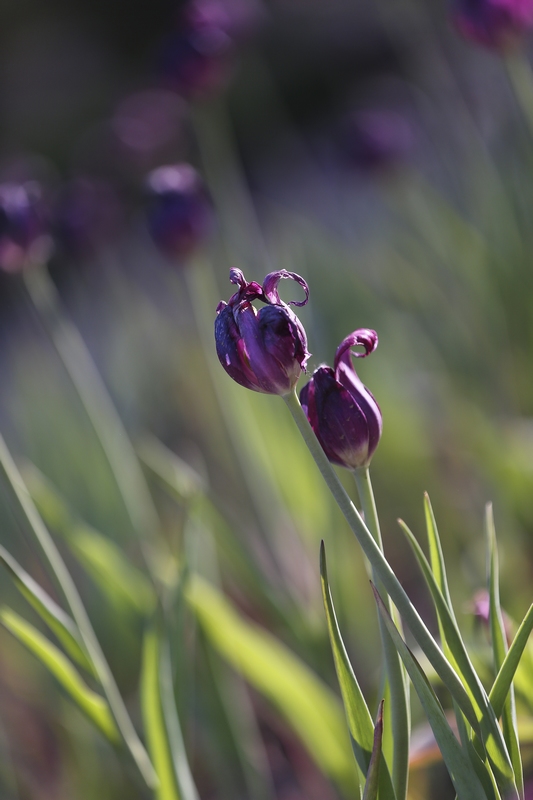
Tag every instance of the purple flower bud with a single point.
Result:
(23, 238)
(179, 215)
(343, 413)
(376, 138)
(196, 58)
(496, 24)
(263, 350)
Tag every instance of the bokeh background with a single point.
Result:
(368, 148)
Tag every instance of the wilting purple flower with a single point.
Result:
(23, 238)
(263, 350)
(496, 24)
(376, 138)
(343, 413)
(179, 213)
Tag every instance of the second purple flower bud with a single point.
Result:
(342, 412)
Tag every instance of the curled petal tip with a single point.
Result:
(220, 306)
(364, 337)
(236, 276)
(270, 287)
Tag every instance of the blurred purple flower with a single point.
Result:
(497, 24)
(179, 214)
(263, 350)
(238, 19)
(374, 139)
(87, 215)
(145, 123)
(196, 59)
(343, 413)
(23, 236)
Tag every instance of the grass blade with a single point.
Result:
(499, 649)
(92, 704)
(357, 714)
(372, 778)
(308, 705)
(462, 774)
(57, 620)
(502, 683)
(165, 746)
(457, 654)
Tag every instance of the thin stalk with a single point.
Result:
(29, 515)
(399, 696)
(395, 590)
(100, 410)
(520, 77)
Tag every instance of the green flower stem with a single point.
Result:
(100, 410)
(382, 568)
(521, 79)
(29, 517)
(396, 675)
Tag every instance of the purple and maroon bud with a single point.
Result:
(23, 236)
(263, 350)
(179, 214)
(375, 139)
(197, 57)
(496, 24)
(343, 413)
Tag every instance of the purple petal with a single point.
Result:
(341, 425)
(348, 378)
(364, 337)
(230, 348)
(270, 287)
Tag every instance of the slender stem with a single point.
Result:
(396, 675)
(484, 715)
(29, 515)
(521, 79)
(100, 410)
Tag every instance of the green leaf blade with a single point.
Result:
(92, 704)
(462, 774)
(357, 714)
(499, 646)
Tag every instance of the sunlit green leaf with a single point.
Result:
(359, 720)
(499, 648)
(92, 704)
(500, 687)
(307, 704)
(165, 743)
(458, 656)
(372, 777)
(462, 773)
(59, 622)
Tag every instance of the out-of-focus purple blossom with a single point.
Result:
(179, 213)
(196, 60)
(480, 608)
(146, 123)
(376, 139)
(87, 215)
(496, 24)
(342, 412)
(238, 19)
(24, 240)
(263, 350)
